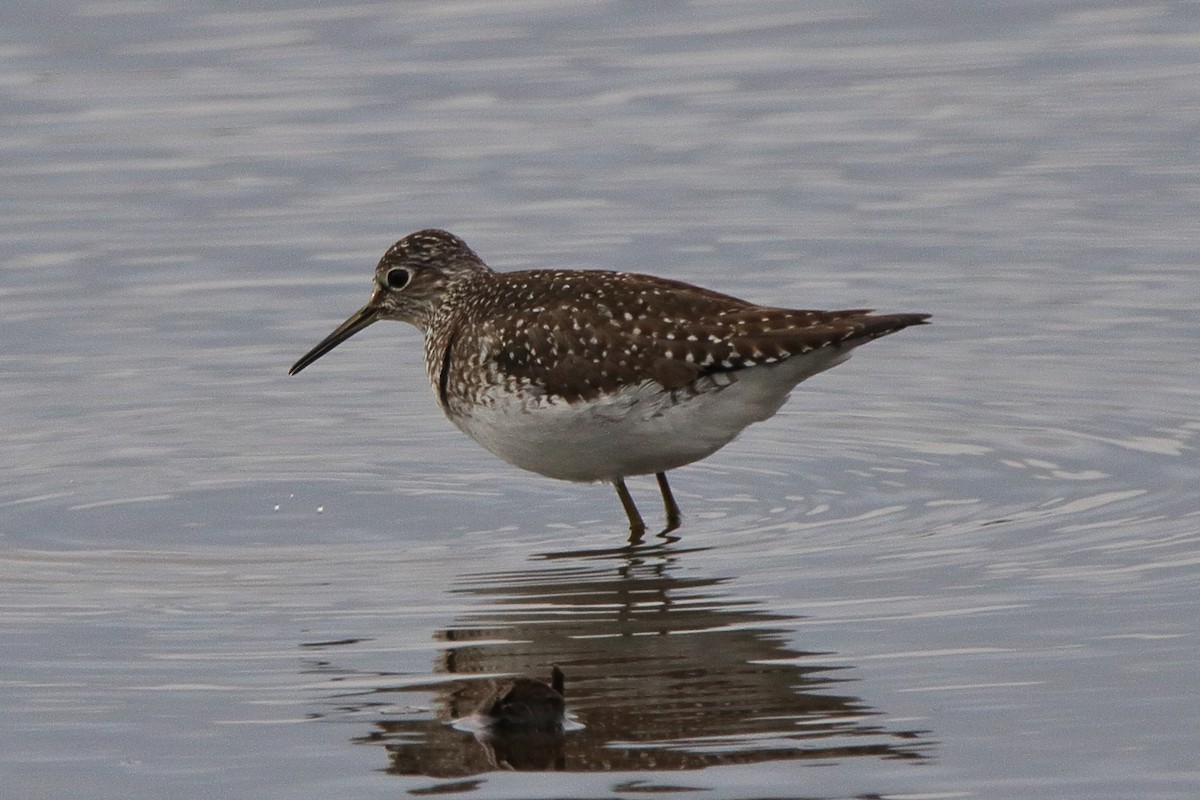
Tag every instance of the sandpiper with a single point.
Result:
(588, 375)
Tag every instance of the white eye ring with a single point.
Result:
(398, 278)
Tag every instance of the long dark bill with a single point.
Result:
(359, 320)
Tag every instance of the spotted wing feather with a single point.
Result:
(578, 335)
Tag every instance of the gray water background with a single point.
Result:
(965, 564)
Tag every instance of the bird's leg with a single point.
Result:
(669, 503)
(637, 528)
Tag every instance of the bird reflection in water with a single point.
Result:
(523, 724)
(669, 670)
(528, 705)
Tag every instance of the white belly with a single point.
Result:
(640, 430)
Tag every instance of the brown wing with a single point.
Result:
(581, 334)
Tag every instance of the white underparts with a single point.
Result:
(638, 430)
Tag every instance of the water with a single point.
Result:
(962, 565)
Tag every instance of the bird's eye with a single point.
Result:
(397, 278)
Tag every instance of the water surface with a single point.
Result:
(964, 564)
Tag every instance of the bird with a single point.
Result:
(594, 375)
